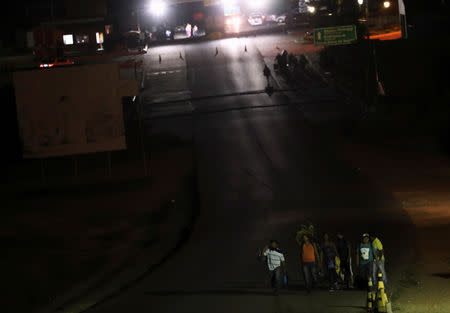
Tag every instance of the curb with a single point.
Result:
(103, 287)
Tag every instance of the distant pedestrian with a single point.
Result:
(328, 255)
(344, 253)
(276, 264)
(310, 257)
(378, 262)
(267, 73)
(195, 31)
(364, 258)
(188, 30)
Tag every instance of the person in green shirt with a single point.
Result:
(364, 258)
(378, 259)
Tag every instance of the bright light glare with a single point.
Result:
(256, 4)
(157, 7)
(235, 21)
(387, 4)
(68, 39)
(311, 9)
(360, 2)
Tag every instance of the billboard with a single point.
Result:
(71, 110)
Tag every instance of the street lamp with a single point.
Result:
(157, 7)
(311, 9)
(386, 4)
(360, 2)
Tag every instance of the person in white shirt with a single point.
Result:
(276, 264)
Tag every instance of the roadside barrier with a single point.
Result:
(383, 304)
(369, 303)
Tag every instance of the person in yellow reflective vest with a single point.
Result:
(378, 259)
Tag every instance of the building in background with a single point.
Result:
(39, 25)
(81, 30)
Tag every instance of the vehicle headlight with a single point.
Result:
(311, 9)
(387, 4)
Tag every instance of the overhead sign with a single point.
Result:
(332, 36)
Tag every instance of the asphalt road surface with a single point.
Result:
(262, 171)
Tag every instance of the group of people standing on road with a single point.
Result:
(330, 259)
(191, 31)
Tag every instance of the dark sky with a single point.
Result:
(38, 10)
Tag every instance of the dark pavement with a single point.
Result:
(262, 171)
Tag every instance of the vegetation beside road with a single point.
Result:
(402, 144)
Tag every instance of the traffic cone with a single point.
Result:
(181, 57)
(278, 48)
(217, 51)
(381, 295)
(369, 304)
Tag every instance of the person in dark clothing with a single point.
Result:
(344, 252)
(328, 255)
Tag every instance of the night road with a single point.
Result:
(262, 171)
(190, 156)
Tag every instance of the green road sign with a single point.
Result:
(331, 36)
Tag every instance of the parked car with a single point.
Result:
(294, 18)
(180, 29)
(280, 19)
(256, 19)
(320, 8)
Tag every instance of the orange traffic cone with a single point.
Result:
(278, 48)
